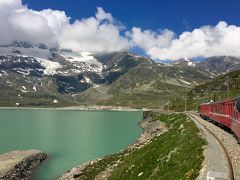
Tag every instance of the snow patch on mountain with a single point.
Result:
(189, 62)
(4, 72)
(23, 71)
(23, 89)
(96, 85)
(77, 57)
(84, 61)
(51, 67)
(81, 61)
(184, 81)
(88, 80)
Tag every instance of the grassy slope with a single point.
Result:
(146, 85)
(151, 97)
(10, 96)
(147, 99)
(11, 92)
(216, 88)
(176, 154)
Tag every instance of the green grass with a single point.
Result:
(139, 98)
(176, 154)
(216, 89)
(31, 99)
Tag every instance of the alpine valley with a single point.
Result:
(37, 76)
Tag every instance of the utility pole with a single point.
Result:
(227, 84)
(168, 105)
(228, 87)
(185, 101)
(219, 92)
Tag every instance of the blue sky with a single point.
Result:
(160, 29)
(176, 15)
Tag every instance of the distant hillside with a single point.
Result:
(219, 65)
(149, 84)
(36, 75)
(216, 89)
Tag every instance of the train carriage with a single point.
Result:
(234, 116)
(204, 111)
(226, 113)
(219, 112)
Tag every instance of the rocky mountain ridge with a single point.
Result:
(35, 75)
(218, 65)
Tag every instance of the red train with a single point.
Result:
(226, 113)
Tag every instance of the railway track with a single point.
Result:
(230, 167)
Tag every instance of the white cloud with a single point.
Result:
(102, 15)
(148, 39)
(17, 22)
(57, 20)
(97, 34)
(206, 41)
(102, 33)
(94, 34)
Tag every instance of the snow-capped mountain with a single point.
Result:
(38, 68)
(218, 65)
(36, 75)
(184, 61)
(53, 61)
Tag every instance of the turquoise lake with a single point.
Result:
(68, 137)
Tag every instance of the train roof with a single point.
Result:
(214, 102)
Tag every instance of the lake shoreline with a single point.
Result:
(80, 108)
(151, 128)
(42, 129)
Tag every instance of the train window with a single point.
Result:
(233, 110)
(222, 109)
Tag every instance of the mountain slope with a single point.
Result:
(149, 84)
(35, 75)
(218, 65)
(216, 89)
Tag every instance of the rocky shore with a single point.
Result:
(19, 164)
(152, 128)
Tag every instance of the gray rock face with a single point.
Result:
(19, 164)
(219, 64)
